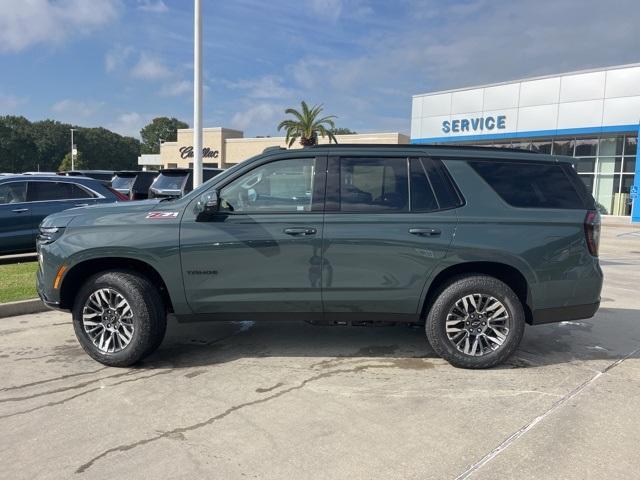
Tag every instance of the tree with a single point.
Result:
(79, 163)
(307, 125)
(160, 128)
(342, 131)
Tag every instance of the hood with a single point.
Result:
(62, 219)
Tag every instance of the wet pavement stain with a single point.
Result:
(195, 374)
(376, 351)
(268, 389)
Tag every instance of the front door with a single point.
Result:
(261, 253)
(385, 232)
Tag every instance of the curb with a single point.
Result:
(19, 258)
(22, 307)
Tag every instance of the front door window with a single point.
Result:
(281, 186)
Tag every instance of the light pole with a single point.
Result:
(197, 94)
(73, 150)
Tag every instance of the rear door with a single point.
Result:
(385, 231)
(17, 231)
(47, 197)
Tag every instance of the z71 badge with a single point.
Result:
(161, 215)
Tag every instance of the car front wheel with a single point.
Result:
(119, 318)
(476, 321)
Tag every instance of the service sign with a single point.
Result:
(472, 125)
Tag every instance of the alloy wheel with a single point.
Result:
(107, 319)
(478, 324)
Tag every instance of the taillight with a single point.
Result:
(592, 231)
(119, 196)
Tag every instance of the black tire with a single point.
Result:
(445, 300)
(149, 316)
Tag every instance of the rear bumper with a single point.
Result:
(562, 314)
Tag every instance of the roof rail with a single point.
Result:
(271, 149)
(419, 146)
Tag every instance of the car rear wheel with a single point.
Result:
(119, 318)
(476, 321)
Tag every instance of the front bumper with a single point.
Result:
(563, 314)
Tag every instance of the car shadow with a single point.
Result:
(610, 336)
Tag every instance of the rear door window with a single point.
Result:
(42, 191)
(530, 185)
(374, 185)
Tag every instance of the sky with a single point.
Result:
(120, 63)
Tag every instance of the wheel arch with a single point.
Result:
(502, 271)
(79, 273)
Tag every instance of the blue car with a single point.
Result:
(26, 200)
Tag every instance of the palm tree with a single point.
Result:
(307, 125)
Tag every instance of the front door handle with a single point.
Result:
(300, 231)
(20, 210)
(425, 232)
(81, 205)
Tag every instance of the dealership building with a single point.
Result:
(223, 147)
(591, 115)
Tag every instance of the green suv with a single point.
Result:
(471, 242)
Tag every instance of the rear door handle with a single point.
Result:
(425, 232)
(81, 204)
(300, 231)
(20, 210)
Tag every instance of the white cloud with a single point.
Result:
(327, 9)
(69, 109)
(175, 89)
(154, 7)
(130, 124)
(149, 68)
(10, 103)
(24, 23)
(262, 115)
(268, 86)
(115, 59)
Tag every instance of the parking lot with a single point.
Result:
(276, 400)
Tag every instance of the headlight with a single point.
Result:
(49, 234)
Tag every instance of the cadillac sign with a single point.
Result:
(187, 152)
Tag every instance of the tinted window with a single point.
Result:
(373, 185)
(76, 191)
(442, 184)
(123, 182)
(280, 186)
(530, 185)
(170, 181)
(13, 192)
(41, 191)
(422, 196)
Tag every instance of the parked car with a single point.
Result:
(473, 243)
(175, 182)
(104, 175)
(134, 185)
(26, 200)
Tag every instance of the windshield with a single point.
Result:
(123, 182)
(170, 181)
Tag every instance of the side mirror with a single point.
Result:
(207, 206)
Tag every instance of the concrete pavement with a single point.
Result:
(276, 400)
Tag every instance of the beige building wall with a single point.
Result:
(226, 147)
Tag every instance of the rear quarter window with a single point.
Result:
(531, 185)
